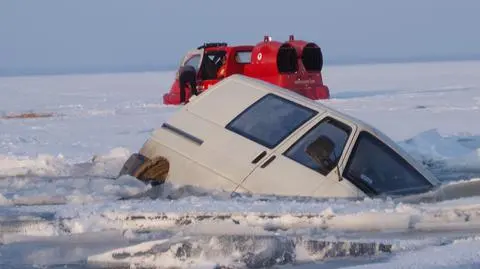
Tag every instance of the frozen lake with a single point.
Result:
(60, 207)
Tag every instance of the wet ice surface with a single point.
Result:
(59, 206)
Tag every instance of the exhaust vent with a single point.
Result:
(312, 58)
(287, 59)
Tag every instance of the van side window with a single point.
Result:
(330, 128)
(376, 169)
(270, 120)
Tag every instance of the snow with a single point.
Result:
(60, 204)
(52, 180)
(462, 253)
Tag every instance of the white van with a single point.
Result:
(249, 136)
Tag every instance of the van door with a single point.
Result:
(235, 148)
(290, 171)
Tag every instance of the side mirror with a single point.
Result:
(320, 151)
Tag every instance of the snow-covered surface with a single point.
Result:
(59, 204)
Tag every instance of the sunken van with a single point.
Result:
(249, 136)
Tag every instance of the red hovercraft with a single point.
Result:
(295, 65)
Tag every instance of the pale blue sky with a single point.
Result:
(116, 35)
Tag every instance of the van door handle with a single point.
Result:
(259, 157)
(265, 164)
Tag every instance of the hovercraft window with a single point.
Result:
(193, 61)
(211, 63)
(243, 57)
(287, 59)
(312, 58)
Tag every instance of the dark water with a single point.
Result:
(332, 264)
(280, 250)
(54, 254)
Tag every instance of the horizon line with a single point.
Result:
(153, 68)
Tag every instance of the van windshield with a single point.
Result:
(376, 169)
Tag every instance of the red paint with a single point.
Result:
(263, 63)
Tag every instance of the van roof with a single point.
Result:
(268, 87)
